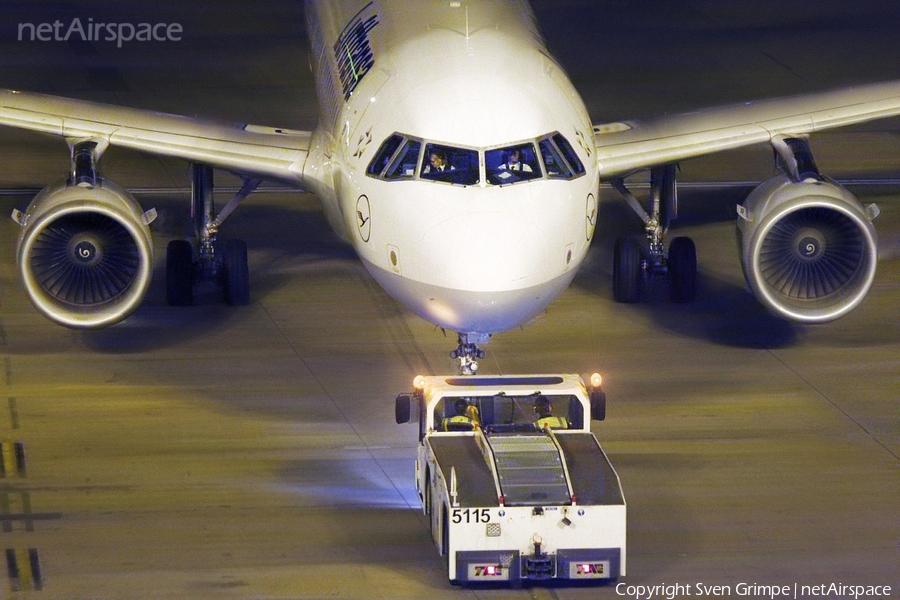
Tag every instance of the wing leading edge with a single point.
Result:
(251, 150)
(622, 149)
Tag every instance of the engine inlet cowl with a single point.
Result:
(809, 250)
(85, 254)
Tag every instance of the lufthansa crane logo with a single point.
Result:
(363, 218)
(590, 217)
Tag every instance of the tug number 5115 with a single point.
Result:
(471, 515)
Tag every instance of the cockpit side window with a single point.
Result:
(560, 158)
(450, 165)
(404, 164)
(384, 155)
(569, 152)
(553, 160)
(512, 164)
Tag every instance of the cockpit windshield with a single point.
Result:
(512, 164)
(401, 157)
(450, 165)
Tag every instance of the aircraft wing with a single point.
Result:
(265, 152)
(626, 147)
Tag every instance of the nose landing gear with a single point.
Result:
(467, 353)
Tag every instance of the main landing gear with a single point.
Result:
(634, 265)
(219, 264)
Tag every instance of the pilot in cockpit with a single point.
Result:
(437, 163)
(514, 163)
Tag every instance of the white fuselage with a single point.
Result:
(472, 256)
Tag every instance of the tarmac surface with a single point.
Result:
(219, 452)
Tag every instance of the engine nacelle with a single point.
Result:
(85, 254)
(808, 248)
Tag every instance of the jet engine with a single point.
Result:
(85, 253)
(808, 248)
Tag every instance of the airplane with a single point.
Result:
(469, 192)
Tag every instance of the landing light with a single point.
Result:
(596, 380)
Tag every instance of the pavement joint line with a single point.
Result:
(333, 402)
(835, 406)
(29, 518)
(8, 517)
(368, 447)
(13, 413)
(5, 509)
(389, 309)
(26, 511)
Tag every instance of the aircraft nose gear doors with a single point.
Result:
(219, 264)
(634, 265)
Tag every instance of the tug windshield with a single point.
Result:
(509, 413)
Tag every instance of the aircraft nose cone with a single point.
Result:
(485, 251)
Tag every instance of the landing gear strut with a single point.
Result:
(633, 265)
(468, 354)
(221, 265)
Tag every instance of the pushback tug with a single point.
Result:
(512, 496)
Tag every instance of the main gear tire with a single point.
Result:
(627, 271)
(237, 273)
